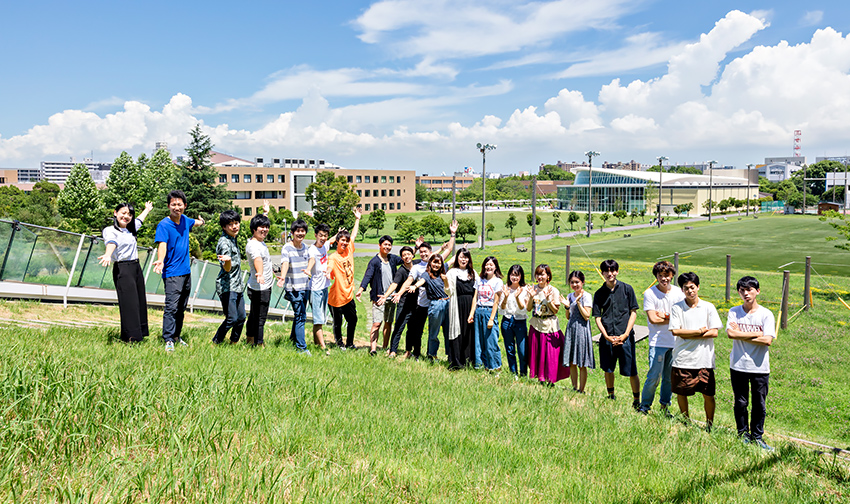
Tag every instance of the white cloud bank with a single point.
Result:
(735, 113)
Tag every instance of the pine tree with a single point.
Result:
(198, 179)
(80, 199)
(124, 178)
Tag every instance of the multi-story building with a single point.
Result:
(792, 160)
(283, 182)
(58, 171)
(777, 172)
(619, 165)
(443, 182)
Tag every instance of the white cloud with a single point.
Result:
(812, 18)
(575, 113)
(641, 51)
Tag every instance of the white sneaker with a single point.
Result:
(180, 340)
(169, 346)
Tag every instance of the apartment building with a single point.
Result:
(283, 182)
(443, 182)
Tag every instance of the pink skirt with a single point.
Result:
(545, 356)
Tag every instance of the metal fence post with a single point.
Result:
(73, 268)
(676, 262)
(783, 316)
(728, 276)
(567, 275)
(198, 288)
(8, 248)
(807, 291)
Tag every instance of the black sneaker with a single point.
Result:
(612, 397)
(636, 404)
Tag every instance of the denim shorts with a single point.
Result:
(319, 304)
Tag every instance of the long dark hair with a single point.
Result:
(463, 251)
(434, 258)
(497, 273)
(516, 268)
(131, 226)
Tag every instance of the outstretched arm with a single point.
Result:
(357, 216)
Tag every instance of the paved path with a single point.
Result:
(369, 249)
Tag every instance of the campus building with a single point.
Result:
(59, 171)
(443, 182)
(283, 182)
(611, 190)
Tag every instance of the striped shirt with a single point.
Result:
(296, 279)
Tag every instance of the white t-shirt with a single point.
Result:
(512, 308)
(694, 353)
(586, 301)
(487, 290)
(253, 250)
(320, 254)
(126, 248)
(416, 272)
(751, 357)
(654, 299)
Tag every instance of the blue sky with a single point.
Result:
(416, 84)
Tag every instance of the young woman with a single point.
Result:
(545, 335)
(127, 274)
(578, 345)
(460, 286)
(434, 281)
(512, 310)
(485, 302)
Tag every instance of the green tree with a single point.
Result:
(572, 218)
(723, 205)
(79, 201)
(633, 214)
(528, 218)
(620, 214)
(433, 225)
(40, 207)
(708, 205)
(556, 219)
(198, 179)
(466, 226)
(333, 200)
(123, 182)
(376, 221)
(401, 220)
(158, 178)
(785, 191)
(840, 223)
(642, 214)
(650, 193)
(511, 222)
(490, 228)
(11, 201)
(604, 218)
(408, 230)
(552, 172)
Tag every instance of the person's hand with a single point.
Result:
(703, 330)
(200, 220)
(266, 208)
(358, 295)
(357, 213)
(490, 324)
(453, 227)
(224, 258)
(505, 291)
(280, 282)
(443, 276)
(411, 289)
(419, 241)
(104, 260)
(306, 273)
(261, 278)
(157, 266)
(328, 274)
(396, 297)
(469, 320)
(734, 326)
(148, 206)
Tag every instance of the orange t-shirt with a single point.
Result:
(341, 267)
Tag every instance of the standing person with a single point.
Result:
(694, 322)
(294, 279)
(545, 335)
(578, 341)
(379, 276)
(752, 329)
(259, 280)
(461, 289)
(615, 310)
(229, 285)
(405, 303)
(485, 304)
(513, 312)
(121, 249)
(174, 262)
(434, 281)
(341, 292)
(317, 266)
(658, 301)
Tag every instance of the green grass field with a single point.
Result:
(87, 419)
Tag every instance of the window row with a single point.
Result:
(392, 206)
(246, 178)
(370, 179)
(367, 193)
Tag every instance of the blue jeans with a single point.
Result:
(487, 351)
(233, 305)
(515, 333)
(298, 300)
(660, 369)
(438, 317)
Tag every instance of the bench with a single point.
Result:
(521, 248)
(627, 235)
(689, 227)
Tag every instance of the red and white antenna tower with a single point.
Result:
(797, 142)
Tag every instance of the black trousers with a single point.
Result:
(132, 302)
(742, 385)
(177, 291)
(404, 311)
(415, 327)
(259, 311)
(348, 312)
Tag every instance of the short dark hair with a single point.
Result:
(384, 238)
(609, 265)
(259, 220)
(177, 193)
(663, 267)
(424, 244)
(498, 272)
(516, 268)
(406, 248)
(690, 276)
(576, 274)
(322, 227)
(299, 224)
(228, 216)
(747, 282)
(343, 233)
(543, 267)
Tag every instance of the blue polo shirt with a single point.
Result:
(176, 238)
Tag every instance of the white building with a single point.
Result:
(58, 171)
(777, 172)
(793, 160)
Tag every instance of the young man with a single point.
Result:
(694, 322)
(173, 261)
(341, 292)
(615, 310)
(658, 300)
(379, 276)
(753, 329)
(260, 279)
(229, 285)
(294, 280)
(317, 265)
(405, 303)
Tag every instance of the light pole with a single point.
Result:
(483, 148)
(750, 165)
(661, 160)
(590, 154)
(710, 187)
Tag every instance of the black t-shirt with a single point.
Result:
(614, 307)
(400, 276)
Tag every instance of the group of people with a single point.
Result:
(470, 307)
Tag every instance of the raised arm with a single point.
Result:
(106, 258)
(357, 216)
(449, 246)
(146, 211)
